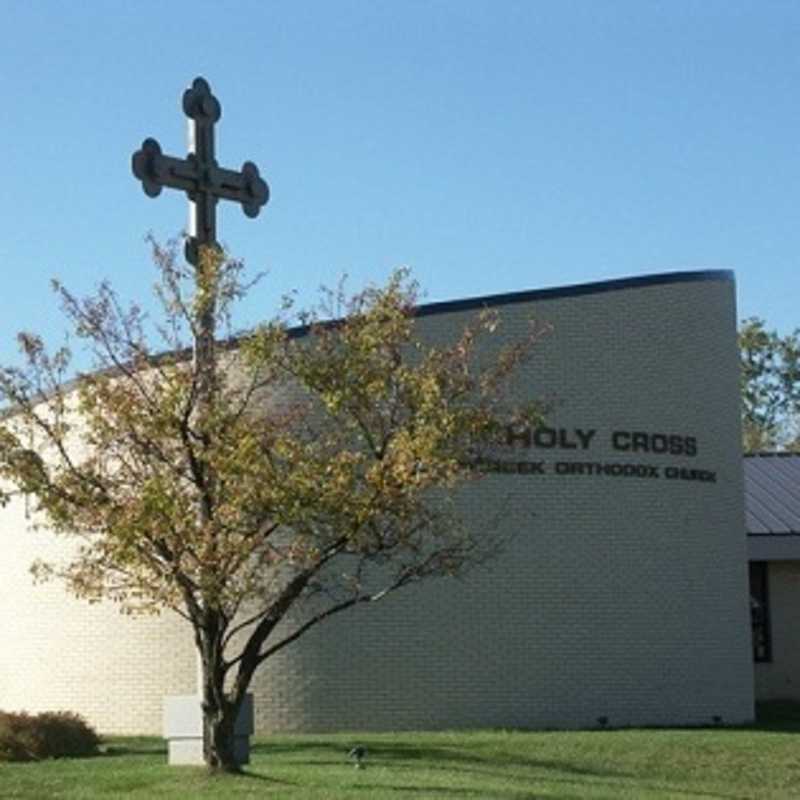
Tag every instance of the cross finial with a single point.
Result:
(200, 104)
(199, 175)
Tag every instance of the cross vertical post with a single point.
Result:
(203, 110)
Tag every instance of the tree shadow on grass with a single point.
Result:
(147, 747)
(247, 775)
(437, 791)
(407, 757)
(574, 783)
(320, 753)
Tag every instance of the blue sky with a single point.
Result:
(492, 146)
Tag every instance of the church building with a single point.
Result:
(621, 599)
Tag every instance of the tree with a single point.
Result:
(304, 469)
(770, 387)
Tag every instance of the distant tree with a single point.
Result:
(770, 387)
(304, 470)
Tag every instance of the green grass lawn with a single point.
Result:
(762, 761)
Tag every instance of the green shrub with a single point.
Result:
(29, 737)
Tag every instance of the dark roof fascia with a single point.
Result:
(773, 454)
(535, 295)
(769, 548)
(575, 290)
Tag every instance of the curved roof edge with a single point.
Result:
(575, 290)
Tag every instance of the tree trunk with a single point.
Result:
(219, 715)
(219, 736)
(220, 711)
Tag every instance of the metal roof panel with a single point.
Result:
(772, 493)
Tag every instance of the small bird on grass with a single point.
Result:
(358, 754)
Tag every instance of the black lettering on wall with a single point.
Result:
(621, 440)
(641, 442)
(564, 442)
(518, 434)
(676, 445)
(659, 443)
(545, 437)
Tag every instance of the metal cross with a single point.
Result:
(198, 174)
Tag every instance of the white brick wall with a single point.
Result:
(620, 597)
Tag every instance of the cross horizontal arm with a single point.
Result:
(245, 187)
(155, 170)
